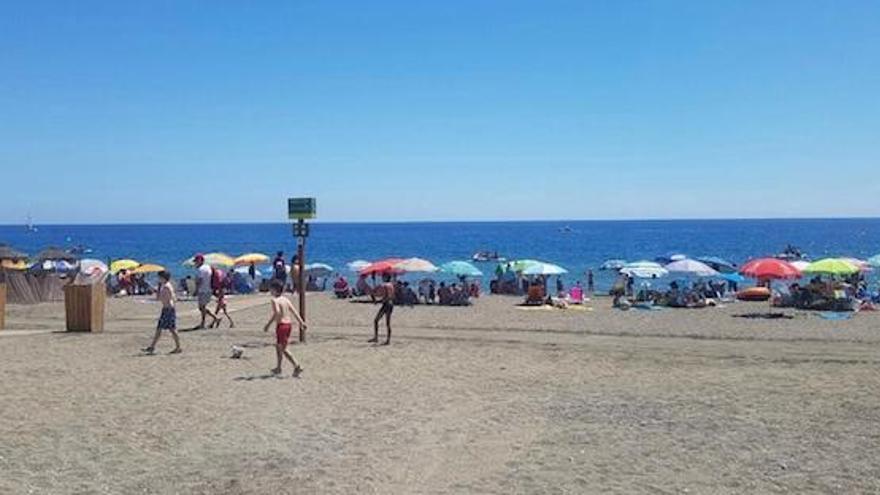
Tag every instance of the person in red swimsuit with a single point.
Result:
(283, 314)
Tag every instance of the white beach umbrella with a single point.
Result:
(800, 264)
(93, 267)
(541, 268)
(690, 268)
(318, 269)
(358, 265)
(644, 269)
(412, 265)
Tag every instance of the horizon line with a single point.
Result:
(444, 221)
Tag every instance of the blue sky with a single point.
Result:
(218, 111)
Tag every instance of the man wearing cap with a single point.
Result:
(203, 289)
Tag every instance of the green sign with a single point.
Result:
(301, 208)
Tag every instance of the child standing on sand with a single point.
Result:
(220, 294)
(168, 317)
(283, 314)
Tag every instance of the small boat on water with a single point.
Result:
(566, 230)
(487, 256)
(792, 253)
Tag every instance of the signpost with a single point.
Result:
(301, 209)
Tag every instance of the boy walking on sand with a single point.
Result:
(385, 293)
(168, 317)
(283, 314)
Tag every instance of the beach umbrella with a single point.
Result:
(874, 261)
(93, 267)
(148, 268)
(670, 257)
(612, 264)
(213, 259)
(831, 266)
(644, 269)
(800, 264)
(862, 265)
(718, 264)
(318, 269)
(18, 265)
(61, 266)
(733, 277)
(520, 265)
(690, 268)
(769, 269)
(383, 266)
(244, 270)
(247, 259)
(357, 265)
(7, 253)
(541, 268)
(413, 265)
(126, 264)
(460, 269)
(56, 254)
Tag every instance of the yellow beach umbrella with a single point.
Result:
(213, 259)
(14, 265)
(119, 265)
(255, 258)
(148, 268)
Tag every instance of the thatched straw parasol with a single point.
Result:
(56, 254)
(7, 253)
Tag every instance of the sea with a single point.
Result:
(575, 245)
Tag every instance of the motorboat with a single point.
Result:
(487, 256)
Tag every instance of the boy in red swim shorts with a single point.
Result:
(283, 314)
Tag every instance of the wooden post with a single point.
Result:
(2, 306)
(300, 256)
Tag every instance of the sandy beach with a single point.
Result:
(485, 399)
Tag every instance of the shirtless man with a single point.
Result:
(385, 293)
(283, 314)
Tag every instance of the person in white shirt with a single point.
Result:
(203, 290)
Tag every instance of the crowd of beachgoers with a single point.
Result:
(673, 280)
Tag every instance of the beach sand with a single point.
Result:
(485, 399)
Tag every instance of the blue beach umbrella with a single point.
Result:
(461, 269)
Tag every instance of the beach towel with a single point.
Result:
(835, 315)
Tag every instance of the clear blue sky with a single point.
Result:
(217, 111)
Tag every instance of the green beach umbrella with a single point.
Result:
(831, 266)
(461, 269)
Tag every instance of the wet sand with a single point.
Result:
(485, 399)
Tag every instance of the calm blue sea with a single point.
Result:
(587, 245)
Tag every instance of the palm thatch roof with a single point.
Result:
(56, 254)
(7, 253)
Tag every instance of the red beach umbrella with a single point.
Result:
(770, 269)
(383, 266)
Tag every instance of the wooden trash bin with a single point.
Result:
(84, 307)
(2, 306)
